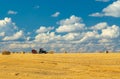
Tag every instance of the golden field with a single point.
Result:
(60, 66)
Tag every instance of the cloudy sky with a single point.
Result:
(60, 25)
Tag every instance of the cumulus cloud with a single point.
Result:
(71, 24)
(72, 20)
(106, 30)
(43, 29)
(94, 38)
(2, 34)
(79, 38)
(12, 12)
(47, 37)
(55, 14)
(43, 37)
(16, 36)
(89, 36)
(22, 45)
(111, 10)
(71, 36)
(7, 26)
(100, 26)
(111, 32)
(9, 31)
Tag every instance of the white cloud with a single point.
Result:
(103, 0)
(16, 36)
(47, 37)
(104, 40)
(28, 38)
(2, 34)
(43, 37)
(21, 45)
(7, 26)
(12, 12)
(97, 14)
(89, 39)
(71, 36)
(111, 10)
(100, 26)
(56, 14)
(9, 31)
(99, 37)
(71, 28)
(43, 29)
(71, 24)
(111, 32)
(5, 21)
(72, 20)
(106, 30)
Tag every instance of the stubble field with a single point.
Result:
(60, 66)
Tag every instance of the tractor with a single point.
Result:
(42, 51)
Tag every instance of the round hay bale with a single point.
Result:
(22, 52)
(6, 52)
(65, 52)
(34, 51)
(106, 51)
(51, 52)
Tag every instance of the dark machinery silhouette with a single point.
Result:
(34, 51)
(42, 51)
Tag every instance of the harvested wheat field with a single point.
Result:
(60, 66)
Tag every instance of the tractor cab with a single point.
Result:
(42, 51)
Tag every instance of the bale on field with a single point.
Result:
(107, 51)
(6, 52)
(51, 52)
(65, 51)
(100, 51)
(22, 52)
(34, 51)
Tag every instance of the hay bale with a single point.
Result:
(6, 52)
(22, 52)
(34, 51)
(106, 51)
(65, 52)
(51, 52)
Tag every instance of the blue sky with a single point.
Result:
(65, 25)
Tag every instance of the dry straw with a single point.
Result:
(51, 52)
(6, 52)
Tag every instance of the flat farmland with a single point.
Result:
(60, 66)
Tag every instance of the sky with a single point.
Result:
(65, 25)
